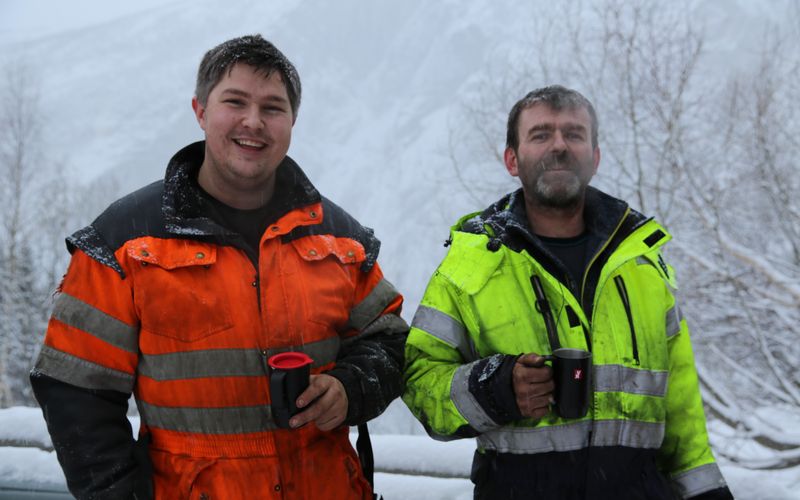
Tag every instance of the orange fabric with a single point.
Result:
(193, 296)
(88, 347)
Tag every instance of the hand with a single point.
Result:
(533, 385)
(327, 403)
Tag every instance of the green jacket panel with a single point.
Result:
(480, 305)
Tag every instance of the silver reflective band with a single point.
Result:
(322, 351)
(466, 403)
(235, 420)
(573, 436)
(616, 378)
(567, 437)
(699, 480)
(81, 373)
(227, 362)
(630, 433)
(79, 314)
(388, 323)
(674, 317)
(373, 305)
(445, 328)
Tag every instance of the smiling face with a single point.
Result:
(247, 121)
(555, 159)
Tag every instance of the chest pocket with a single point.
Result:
(329, 267)
(178, 288)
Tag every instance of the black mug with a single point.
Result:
(571, 373)
(289, 373)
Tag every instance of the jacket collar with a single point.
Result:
(185, 210)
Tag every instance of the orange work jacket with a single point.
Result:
(158, 303)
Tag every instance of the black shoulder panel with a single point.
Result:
(337, 222)
(137, 214)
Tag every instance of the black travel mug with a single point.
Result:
(572, 377)
(289, 374)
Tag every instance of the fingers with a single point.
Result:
(535, 407)
(533, 385)
(325, 403)
(532, 360)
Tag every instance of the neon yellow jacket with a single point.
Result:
(480, 309)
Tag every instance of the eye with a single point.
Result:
(234, 102)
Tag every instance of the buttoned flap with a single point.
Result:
(318, 247)
(180, 288)
(171, 253)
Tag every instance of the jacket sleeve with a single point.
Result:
(450, 391)
(84, 376)
(685, 454)
(93, 440)
(370, 361)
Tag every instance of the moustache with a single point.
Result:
(560, 161)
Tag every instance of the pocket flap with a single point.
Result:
(171, 253)
(317, 247)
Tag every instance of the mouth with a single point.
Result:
(250, 144)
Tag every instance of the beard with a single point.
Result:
(556, 181)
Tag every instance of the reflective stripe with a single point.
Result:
(674, 317)
(567, 437)
(631, 433)
(388, 323)
(373, 305)
(445, 328)
(466, 403)
(643, 261)
(573, 436)
(699, 480)
(616, 378)
(227, 362)
(79, 314)
(80, 372)
(236, 420)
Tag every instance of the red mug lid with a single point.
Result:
(289, 360)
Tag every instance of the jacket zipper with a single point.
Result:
(543, 306)
(623, 293)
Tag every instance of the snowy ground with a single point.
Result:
(408, 466)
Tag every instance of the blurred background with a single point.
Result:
(402, 123)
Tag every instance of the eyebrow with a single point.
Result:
(549, 127)
(242, 93)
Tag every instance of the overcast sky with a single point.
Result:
(25, 19)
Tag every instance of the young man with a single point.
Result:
(560, 264)
(179, 292)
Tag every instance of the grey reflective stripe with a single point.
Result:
(466, 403)
(630, 433)
(567, 437)
(388, 323)
(322, 351)
(373, 305)
(616, 378)
(236, 420)
(445, 328)
(573, 436)
(81, 373)
(643, 261)
(80, 315)
(227, 362)
(699, 480)
(674, 317)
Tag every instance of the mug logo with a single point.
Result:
(577, 374)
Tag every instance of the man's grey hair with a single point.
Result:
(557, 98)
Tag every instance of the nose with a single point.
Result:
(558, 142)
(252, 118)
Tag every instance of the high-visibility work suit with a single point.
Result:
(163, 302)
(645, 428)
